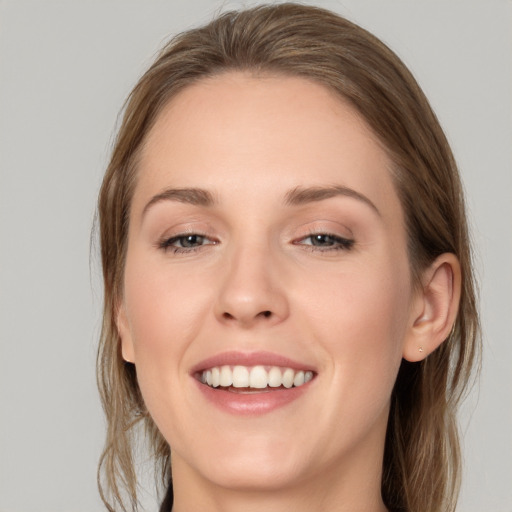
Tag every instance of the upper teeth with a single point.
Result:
(254, 377)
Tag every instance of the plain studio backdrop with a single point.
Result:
(65, 69)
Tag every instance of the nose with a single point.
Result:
(252, 290)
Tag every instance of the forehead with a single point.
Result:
(237, 130)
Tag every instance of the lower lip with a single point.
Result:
(251, 403)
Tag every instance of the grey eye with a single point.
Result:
(322, 240)
(189, 241)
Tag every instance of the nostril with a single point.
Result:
(247, 318)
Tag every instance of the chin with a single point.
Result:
(248, 466)
(255, 475)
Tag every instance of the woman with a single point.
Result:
(289, 301)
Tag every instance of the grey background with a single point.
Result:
(65, 69)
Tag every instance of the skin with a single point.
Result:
(256, 282)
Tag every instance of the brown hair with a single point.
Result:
(421, 468)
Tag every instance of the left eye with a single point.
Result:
(326, 241)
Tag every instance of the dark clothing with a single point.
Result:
(169, 498)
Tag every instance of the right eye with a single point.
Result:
(188, 242)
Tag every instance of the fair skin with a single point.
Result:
(294, 248)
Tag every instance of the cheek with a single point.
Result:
(164, 312)
(360, 320)
(163, 307)
(369, 303)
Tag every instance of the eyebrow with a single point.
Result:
(194, 196)
(300, 196)
(295, 197)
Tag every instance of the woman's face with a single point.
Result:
(266, 245)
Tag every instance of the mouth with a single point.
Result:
(252, 383)
(253, 379)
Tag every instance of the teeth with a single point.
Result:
(257, 377)
(274, 377)
(288, 376)
(226, 377)
(298, 380)
(240, 377)
(215, 377)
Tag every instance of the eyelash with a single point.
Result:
(337, 243)
(167, 243)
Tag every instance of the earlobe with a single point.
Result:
(125, 335)
(435, 308)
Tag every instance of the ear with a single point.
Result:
(434, 309)
(124, 331)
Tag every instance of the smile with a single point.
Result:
(254, 378)
(252, 383)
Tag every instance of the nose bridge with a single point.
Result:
(251, 291)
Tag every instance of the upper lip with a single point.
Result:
(234, 358)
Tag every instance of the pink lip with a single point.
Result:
(254, 403)
(249, 359)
